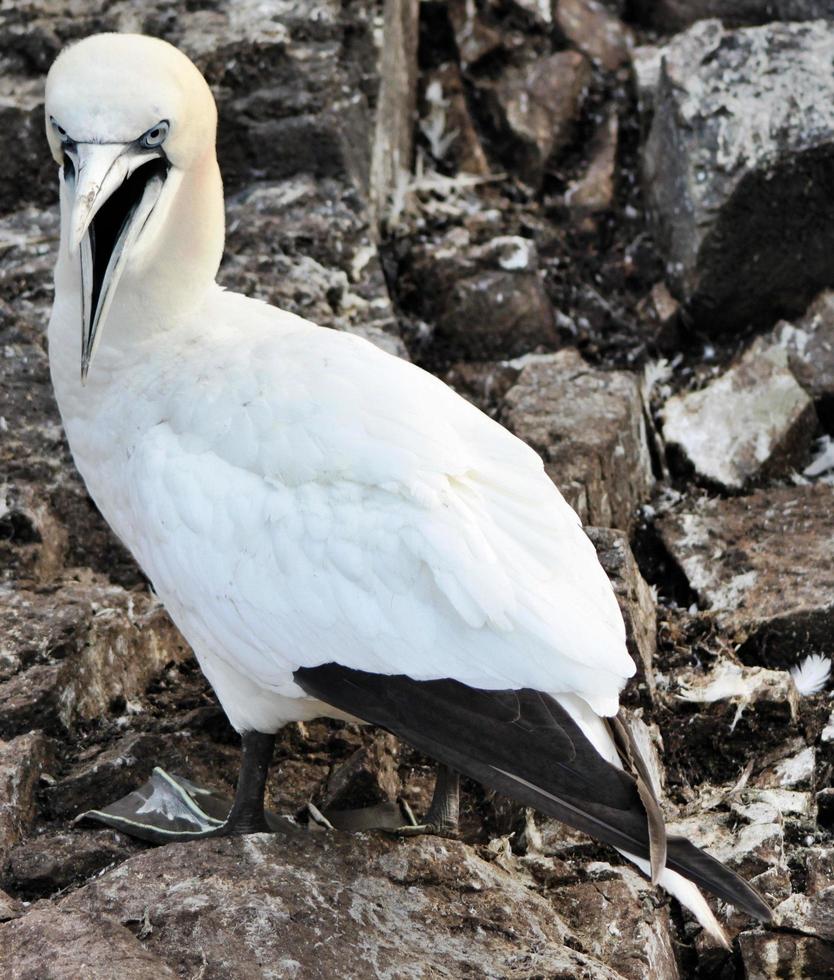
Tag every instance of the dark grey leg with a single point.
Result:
(444, 812)
(247, 813)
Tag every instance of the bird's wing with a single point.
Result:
(353, 508)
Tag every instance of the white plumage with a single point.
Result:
(297, 496)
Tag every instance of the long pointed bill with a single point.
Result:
(116, 186)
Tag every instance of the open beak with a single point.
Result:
(114, 186)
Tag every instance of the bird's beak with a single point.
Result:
(114, 188)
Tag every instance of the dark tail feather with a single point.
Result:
(525, 745)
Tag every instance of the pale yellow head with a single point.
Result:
(132, 123)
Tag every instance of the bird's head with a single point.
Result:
(128, 117)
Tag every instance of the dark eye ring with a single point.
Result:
(156, 135)
(60, 131)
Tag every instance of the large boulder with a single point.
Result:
(739, 169)
(311, 905)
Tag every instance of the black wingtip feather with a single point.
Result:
(524, 744)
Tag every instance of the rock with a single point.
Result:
(659, 311)
(637, 600)
(10, 908)
(101, 777)
(411, 904)
(595, 31)
(673, 15)
(812, 916)
(369, 776)
(486, 302)
(594, 191)
(21, 762)
(537, 105)
(750, 847)
(484, 383)
(80, 649)
(793, 770)
(742, 712)
(27, 175)
(496, 314)
(646, 60)
(810, 347)
(475, 38)
(766, 955)
(751, 423)
(609, 912)
(741, 150)
(46, 864)
(588, 427)
(396, 104)
(51, 944)
(447, 123)
(760, 563)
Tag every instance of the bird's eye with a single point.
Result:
(155, 136)
(60, 131)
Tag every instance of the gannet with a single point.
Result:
(334, 530)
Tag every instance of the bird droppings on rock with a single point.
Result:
(410, 906)
(21, 763)
(589, 428)
(760, 563)
(80, 649)
(753, 421)
(66, 945)
(738, 163)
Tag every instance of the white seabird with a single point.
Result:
(334, 530)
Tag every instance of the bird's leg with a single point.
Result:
(444, 811)
(247, 813)
(171, 808)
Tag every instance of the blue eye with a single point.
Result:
(155, 136)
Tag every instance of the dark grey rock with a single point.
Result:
(411, 910)
(594, 191)
(448, 124)
(595, 31)
(809, 343)
(537, 105)
(21, 763)
(70, 651)
(761, 563)
(367, 777)
(52, 944)
(637, 600)
(672, 15)
(752, 422)
(766, 955)
(738, 169)
(589, 428)
(485, 302)
(51, 862)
